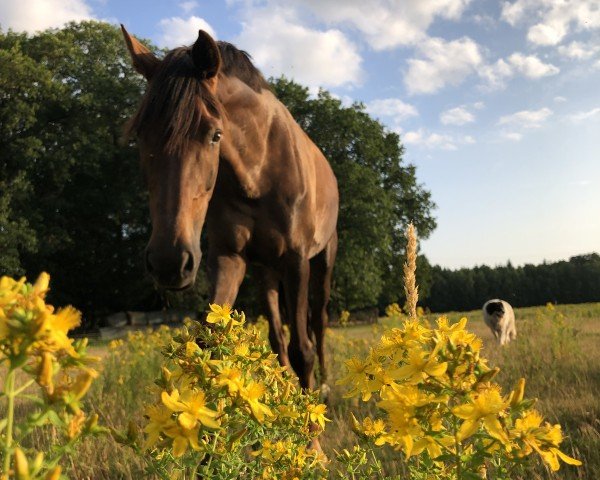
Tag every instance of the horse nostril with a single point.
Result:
(188, 262)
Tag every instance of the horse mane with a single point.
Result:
(170, 105)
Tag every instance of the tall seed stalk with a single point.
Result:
(410, 267)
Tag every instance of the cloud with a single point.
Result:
(578, 50)
(456, 116)
(177, 32)
(391, 107)
(559, 99)
(550, 21)
(496, 74)
(187, 7)
(514, 136)
(442, 63)
(422, 138)
(578, 117)
(528, 119)
(385, 24)
(280, 45)
(35, 15)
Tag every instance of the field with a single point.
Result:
(556, 351)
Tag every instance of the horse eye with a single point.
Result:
(217, 136)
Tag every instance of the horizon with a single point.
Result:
(497, 105)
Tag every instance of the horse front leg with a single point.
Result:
(300, 350)
(226, 272)
(277, 339)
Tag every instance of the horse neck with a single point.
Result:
(248, 119)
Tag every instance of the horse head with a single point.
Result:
(178, 127)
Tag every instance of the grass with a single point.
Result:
(556, 351)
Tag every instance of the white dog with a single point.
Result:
(500, 317)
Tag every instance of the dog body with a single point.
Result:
(500, 317)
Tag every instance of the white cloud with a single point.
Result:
(435, 141)
(391, 107)
(559, 99)
(280, 45)
(187, 7)
(478, 105)
(526, 118)
(514, 136)
(442, 63)
(578, 117)
(384, 23)
(578, 50)
(177, 32)
(496, 74)
(35, 15)
(456, 116)
(550, 21)
(531, 66)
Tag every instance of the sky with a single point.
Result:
(496, 102)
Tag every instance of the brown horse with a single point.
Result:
(217, 147)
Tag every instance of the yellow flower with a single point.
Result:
(483, 407)
(182, 438)
(159, 419)
(219, 314)
(317, 414)
(192, 405)
(357, 377)
(231, 378)
(420, 364)
(251, 394)
(46, 372)
(544, 440)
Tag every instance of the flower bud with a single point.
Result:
(518, 392)
(54, 474)
(21, 465)
(46, 372)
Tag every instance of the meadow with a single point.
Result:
(556, 351)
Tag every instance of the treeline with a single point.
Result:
(574, 281)
(73, 203)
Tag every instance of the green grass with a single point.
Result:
(558, 356)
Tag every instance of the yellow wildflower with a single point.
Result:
(219, 314)
(544, 440)
(251, 394)
(420, 364)
(160, 419)
(182, 438)
(357, 377)
(192, 407)
(231, 378)
(317, 414)
(484, 407)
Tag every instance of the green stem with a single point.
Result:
(9, 387)
(457, 447)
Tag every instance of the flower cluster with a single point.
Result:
(35, 348)
(438, 403)
(226, 409)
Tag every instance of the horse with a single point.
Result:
(219, 149)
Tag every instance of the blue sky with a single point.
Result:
(497, 103)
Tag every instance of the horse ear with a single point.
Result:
(206, 56)
(144, 61)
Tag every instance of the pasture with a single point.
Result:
(556, 351)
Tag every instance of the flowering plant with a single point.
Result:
(36, 351)
(225, 408)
